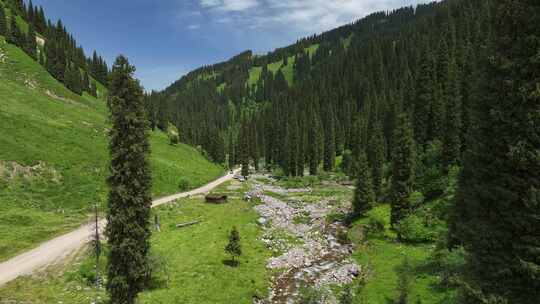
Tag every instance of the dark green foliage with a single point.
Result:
(93, 89)
(346, 296)
(3, 22)
(403, 167)
(497, 211)
(376, 156)
(405, 280)
(174, 139)
(15, 35)
(347, 162)
(315, 144)
(234, 248)
(364, 195)
(425, 95)
(129, 200)
(310, 295)
(329, 142)
(184, 184)
(452, 132)
(30, 45)
(243, 147)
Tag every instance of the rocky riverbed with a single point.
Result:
(307, 250)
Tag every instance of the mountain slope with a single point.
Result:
(53, 155)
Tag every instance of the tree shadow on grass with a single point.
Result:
(230, 263)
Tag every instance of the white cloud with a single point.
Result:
(194, 26)
(229, 5)
(300, 15)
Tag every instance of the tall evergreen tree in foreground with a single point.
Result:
(497, 211)
(130, 198)
(363, 194)
(403, 167)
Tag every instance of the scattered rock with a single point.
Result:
(319, 260)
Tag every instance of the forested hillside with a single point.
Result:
(50, 44)
(418, 90)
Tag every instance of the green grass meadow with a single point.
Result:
(45, 124)
(197, 267)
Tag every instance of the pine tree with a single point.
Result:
(452, 135)
(315, 139)
(403, 167)
(425, 95)
(233, 247)
(376, 156)
(329, 142)
(129, 199)
(497, 214)
(243, 147)
(93, 89)
(364, 195)
(31, 44)
(3, 22)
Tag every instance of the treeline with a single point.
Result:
(57, 51)
(411, 96)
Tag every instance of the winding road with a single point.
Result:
(59, 248)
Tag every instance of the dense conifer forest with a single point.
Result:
(50, 44)
(402, 147)
(415, 96)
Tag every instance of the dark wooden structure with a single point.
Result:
(216, 199)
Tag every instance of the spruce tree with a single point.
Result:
(243, 147)
(453, 126)
(233, 247)
(31, 44)
(3, 22)
(329, 142)
(129, 199)
(364, 195)
(314, 144)
(376, 156)
(425, 91)
(403, 168)
(497, 211)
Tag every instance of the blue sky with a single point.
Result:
(165, 39)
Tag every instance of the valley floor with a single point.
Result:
(291, 239)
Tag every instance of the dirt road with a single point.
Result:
(58, 248)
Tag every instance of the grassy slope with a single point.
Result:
(383, 255)
(288, 70)
(195, 256)
(69, 136)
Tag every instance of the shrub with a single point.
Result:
(375, 225)
(414, 229)
(183, 185)
(174, 139)
(310, 296)
(157, 271)
(416, 199)
(343, 237)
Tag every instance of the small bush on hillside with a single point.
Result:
(414, 229)
(300, 182)
(416, 199)
(183, 185)
(157, 271)
(174, 139)
(309, 295)
(343, 237)
(375, 226)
